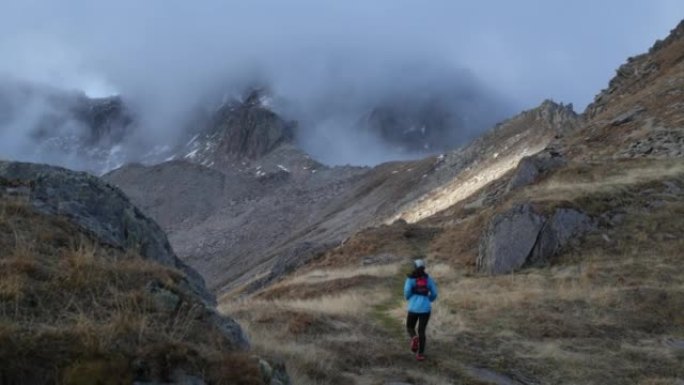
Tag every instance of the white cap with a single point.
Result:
(419, 263)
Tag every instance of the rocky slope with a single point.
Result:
(254, 215)
(636, 123)
(90, 289)
(555, 246)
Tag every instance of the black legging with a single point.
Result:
(422, 320)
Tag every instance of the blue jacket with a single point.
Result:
(419, 303)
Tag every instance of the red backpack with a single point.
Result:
(421, 287)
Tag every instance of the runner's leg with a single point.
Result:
(423, 319)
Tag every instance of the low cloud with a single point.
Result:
(328, 65)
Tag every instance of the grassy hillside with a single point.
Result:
(606, 307)
(609, 309)
(75, 312)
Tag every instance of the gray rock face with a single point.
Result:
(561, 228)
(561, 116)
(531, 168)
(660, 143)
(239, 131)
(233, 230)
(508, 240)
(97, 208)
(104, 212)
(520, 237)
(251, 130)
(634, 74)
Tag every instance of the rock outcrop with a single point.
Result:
(639, 71)
(238, 133)
(229, 222)
(107, 264)
(533, 167)
(559, 230)
(509, 239)
(97, 208)
(249, 130)
(522, 237)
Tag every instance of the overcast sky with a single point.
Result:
(530, 49)
(167, 53)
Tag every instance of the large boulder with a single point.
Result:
(103, 214)
(508, 240)
(531, 168)
(98, 209)
(522, 237)
(560, 229)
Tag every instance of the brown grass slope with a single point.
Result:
(75, 312)
(608, 309)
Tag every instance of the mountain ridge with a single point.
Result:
(558, 264)
(354, 198)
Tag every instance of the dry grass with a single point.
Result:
(327, 275)
(606, 311)
(340, 337)
(314, 284)
(601, 320)
(458, 244)
(601, 314)
(72, 312)
(400, 241)
(580, 180)
(330, 304)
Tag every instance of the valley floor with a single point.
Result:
(610, 309)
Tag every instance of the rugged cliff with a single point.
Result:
(553, 239)
(91, 292)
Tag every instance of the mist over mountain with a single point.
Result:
(366, 83)
(49, 125)
(347, 112)
(402, 108)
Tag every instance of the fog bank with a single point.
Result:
(327, 65)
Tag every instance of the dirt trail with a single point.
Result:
(444, 358)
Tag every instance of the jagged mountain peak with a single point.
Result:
(66, 127)
(675, 34)
(560, 115)
(240, 135)
(641, 70)
(553, 106)
(250, 130)
(548, 119)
